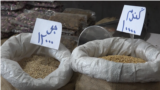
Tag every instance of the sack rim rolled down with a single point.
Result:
(83, 60)
(19, 47)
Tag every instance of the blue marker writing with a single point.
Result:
(128, 13)
(40, 36)
(134, 17)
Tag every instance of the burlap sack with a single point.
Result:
(85, 82)
(5, 85)
(71, 84)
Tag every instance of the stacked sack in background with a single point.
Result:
(8, 10)
(72, 25)
(33, 10)
(44, 5)
(22, 19)
(73, 22)
(26, 21)
(91, 18)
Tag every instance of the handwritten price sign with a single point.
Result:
(47, 33)
(132, 19)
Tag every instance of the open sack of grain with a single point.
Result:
(18, 48)
(87, 60)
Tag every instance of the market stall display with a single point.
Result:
(105, 64)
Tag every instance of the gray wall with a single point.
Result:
(114, 8)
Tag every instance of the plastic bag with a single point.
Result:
(29, 19)
(6, 26)
(85, 60)
(45, 4)
(19, 47)
(70, 21)
(90, 14)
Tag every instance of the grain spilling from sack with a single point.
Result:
(39, 66)
(123, 59)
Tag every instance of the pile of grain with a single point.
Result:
(39, 66)
(123, 59)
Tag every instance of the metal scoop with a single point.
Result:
(93, 33)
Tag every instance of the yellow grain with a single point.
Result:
(123, 59)
(39, 66)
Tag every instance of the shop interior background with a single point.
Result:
(114, 8)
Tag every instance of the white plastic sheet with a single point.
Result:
(19, 47)
(84, 59)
